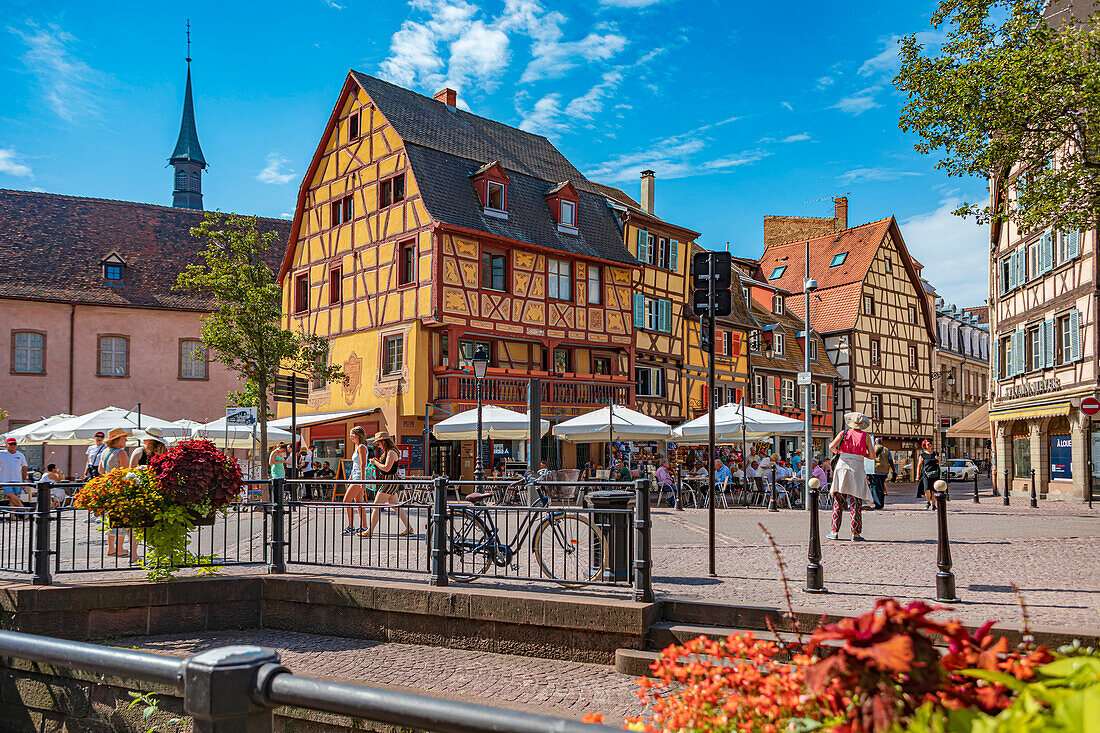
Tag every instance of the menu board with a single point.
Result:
(412, 452)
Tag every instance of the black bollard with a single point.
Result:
(945, 579)
(976, 501)
(1034, 498)
(773, 502)
(815, 574)
(1008, 487)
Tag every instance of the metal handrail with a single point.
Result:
(251, 682)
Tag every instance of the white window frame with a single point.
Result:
(29, 351)
(556, 278)
(489, 196)
(778, 344)
(777, 304)
(914, 409)
(571, 220)
(595, 285)
(758, 389)
(786, 391)
(115, 359)
(190, 367)
(656, 381)
(811, 346)
(652, 314)
(393, 363)
(876, 407)
(813, 396)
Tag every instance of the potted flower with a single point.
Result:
(127, 498)
(195, 474)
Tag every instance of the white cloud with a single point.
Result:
(456, 44)
(69, 83)
(787, 106)
(875, 173)
(886, 62)
(825, 82)
(954, 252)
(11, 163)
(739, 159)
(590, 104)
(800, 137)
(630, 3)
(286, 215)
(858, 103)
(274, 171)
(332, 4)
(543, 117)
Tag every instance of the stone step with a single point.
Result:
(665, 633)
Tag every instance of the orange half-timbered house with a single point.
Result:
(423, 232)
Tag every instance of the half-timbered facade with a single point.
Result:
(658, 301)
(424, 232)
(962, 358)
(877, 325)
(1043, 319)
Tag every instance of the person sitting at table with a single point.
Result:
(722, 473)
(665, 482)
(737, 473)
(700, 470)
(325, 471)
(753, 470)
(622, 471)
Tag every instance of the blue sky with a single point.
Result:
(743, 109)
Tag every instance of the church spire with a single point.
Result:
(187, 159)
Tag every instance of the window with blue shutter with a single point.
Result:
(1071, 245)
(1046, 252)
(664, 318)
(1074, 335)
(1021, 266)
(993, 363)
(639, 310)
(1048, 342)
(1012, 270)
(674, 265)
(642, 251)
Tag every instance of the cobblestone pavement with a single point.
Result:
(553, 687)
(1052, 553)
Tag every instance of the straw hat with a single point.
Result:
(152, 433)
(116, 433)
(382, 435)
(857, 421)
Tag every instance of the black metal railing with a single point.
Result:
(238, 688)
(420, 531)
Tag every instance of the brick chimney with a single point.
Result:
(448, 97)
(647, 191)
(840, 212)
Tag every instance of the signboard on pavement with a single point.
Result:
(241, 415)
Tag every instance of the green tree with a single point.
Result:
(245, 330)
(1013, 96)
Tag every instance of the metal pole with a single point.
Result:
(534, 418)
(773, 502)
(220, 686)
(610, 434)
(945, 579)
(439, 533)
(1008, 487)
(292, 468)
(807, 428)
(1034, 497)
(278, 528)
(42, 549)
(976, 500)
(643, 549)
(815, 574)
(479, 470)
(711, 531)
(427, 440)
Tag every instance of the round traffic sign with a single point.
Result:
(1090, 406)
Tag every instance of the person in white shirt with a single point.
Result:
(95, 454)
(13, 470)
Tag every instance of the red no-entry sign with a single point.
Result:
(1090, 406)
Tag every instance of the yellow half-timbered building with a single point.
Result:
(423, 232)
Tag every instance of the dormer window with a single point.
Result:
(491, 184)
(113, 269)
(562, 200)
(494, 196)
(777, 304)
(568, 214)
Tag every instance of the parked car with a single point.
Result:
(962, 469)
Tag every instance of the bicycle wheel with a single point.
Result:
(569, 549)
(469, 547)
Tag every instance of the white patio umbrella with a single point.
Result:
(237, 436)
(22, 433)
(728, 421)
(612, 423)
(81, 430)
(497, 423)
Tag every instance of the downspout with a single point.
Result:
(72, 338)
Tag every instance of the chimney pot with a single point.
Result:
(840, 212)
(647, 191)
(448, 97)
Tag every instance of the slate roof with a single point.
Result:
(187, 144)
(51, 247)
(446, 145)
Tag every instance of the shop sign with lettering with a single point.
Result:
(1031, 389)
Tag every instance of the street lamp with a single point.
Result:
(809, 285)
(481, 365)
(948, 375)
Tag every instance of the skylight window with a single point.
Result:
(777, 272)
(838, 259)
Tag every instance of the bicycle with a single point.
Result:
(568, 548)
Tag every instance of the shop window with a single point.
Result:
(1061, 450)
(1021, 451)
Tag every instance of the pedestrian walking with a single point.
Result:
(928, 473)
(356, 493)
(13, 473)
(387, 469)
(884, 464)
(849, 485)
(116, 457)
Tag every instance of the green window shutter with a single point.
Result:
(664, 315)
(675, 263)
(639, 310)
(643, 245)
(1048, 342)
(1073, 244)
(1074, 335)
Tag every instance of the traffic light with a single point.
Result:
(703, 264)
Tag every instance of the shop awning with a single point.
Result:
(974, 425)
(1022, 413)
(320, 418)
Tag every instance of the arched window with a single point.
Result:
(181, 180)
(196, 182)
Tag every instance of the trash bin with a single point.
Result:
(616, 532)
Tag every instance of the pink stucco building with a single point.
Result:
(88, 307)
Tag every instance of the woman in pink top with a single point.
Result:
(849, 487)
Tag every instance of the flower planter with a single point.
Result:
(132, 525)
